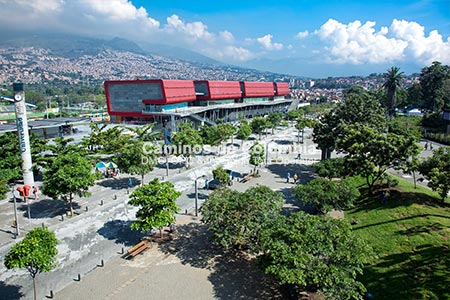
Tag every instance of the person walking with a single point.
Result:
(35, 193)
(287, 177)
(295, 178)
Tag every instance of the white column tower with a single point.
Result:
(22, 130)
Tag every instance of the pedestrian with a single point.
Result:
(288, 176)
(130, 182)
(295, 178)
(35, 193)
(431, 146)
(206, 184)
(425, 146)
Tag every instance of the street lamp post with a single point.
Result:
(267, 152)
(15, 211)
(196, 194)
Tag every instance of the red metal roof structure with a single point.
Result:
(281, 89)
(257, 89)
(214, 90)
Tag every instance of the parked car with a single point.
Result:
(214, 184)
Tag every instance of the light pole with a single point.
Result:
(267, 151)
(15, 211)
(196, 194)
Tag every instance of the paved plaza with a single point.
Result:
(181, 269)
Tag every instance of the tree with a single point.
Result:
(256, 155)
(392, 85)
(187, 140)
(244, 131)
(210, 135)
(274, 119)
(138, 158)
(145, 132)
(258, 125)
(415, 96)
(301, 124)
(314, 253)
(235, 218)
(432, 80)
(370, 153)
(331, 168)
(326, 195)
(437, 170)
(157, 202)
(70, 174)
(357, 108)
(221, 175)
(36, 253)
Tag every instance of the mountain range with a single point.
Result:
(66, 57)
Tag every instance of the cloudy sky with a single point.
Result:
(307, 38)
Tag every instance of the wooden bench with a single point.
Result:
(138, 248)
(247, 178)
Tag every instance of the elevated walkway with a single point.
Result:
(197, 118)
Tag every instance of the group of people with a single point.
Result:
(426, 146)
(110, 173)
(295, 178)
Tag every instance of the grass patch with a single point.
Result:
(410, 236)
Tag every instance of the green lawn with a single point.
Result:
(410, 235)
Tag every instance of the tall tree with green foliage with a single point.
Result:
(236, 218)
(138, 158)
(393, 82)
(326, 195)
(274, 119)
(187, 140)
(432, 81)
(244, 131)
(36, 253)
(70, 174)
(437, 170)
(221, 175)
(314, 253)
(370, 153)
(357, 108)
(259, 124)
(257, 153)
(158, 206)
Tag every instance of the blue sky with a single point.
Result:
(305, 38)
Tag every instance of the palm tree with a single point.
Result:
(393, 82)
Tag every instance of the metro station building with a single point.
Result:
(198, 101)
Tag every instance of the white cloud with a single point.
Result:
(358, 43)
(302, 34)
(266, 42)
(226, 36)
(195, 30)
(235, 53)
(423, 48)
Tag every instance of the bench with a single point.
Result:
(138, 248)
(246, 178)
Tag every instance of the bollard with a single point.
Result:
(43, 225)
(115, 197)
(62, 217)
(102, 264)
(79, 277)
(185, 211)
(87, 208)
(128, 191)
(51, 294)
(101, 202)
(123, 251)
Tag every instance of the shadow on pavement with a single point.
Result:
(116, 183)
(201, 196)
(121, 232)
(235, 276)
(10, 292)
(47, 208)
(192, 245)
(304, 172)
